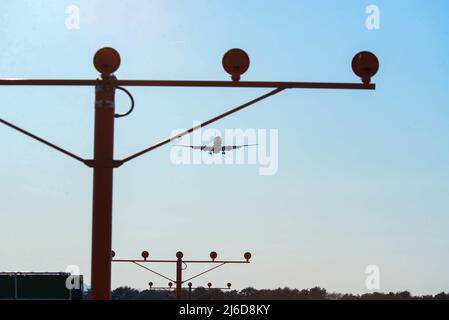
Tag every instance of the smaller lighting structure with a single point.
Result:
(190, 287)
(179, 269)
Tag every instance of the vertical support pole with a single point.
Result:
(16, 296)
(190, 291)
(179, 255)
(102, 188)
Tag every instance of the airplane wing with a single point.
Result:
(202, 148)
(227, 148)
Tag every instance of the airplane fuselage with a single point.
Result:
(217, 146)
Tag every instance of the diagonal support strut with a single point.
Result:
(51, 145)
(203, 124)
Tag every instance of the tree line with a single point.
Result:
(316, 293)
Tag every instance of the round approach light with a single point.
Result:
(213, 255)
(170, 284)
(229, 285)
(150, 284)
(235, 62)
(209, 284)
(145, 255)
(107, 60)
(247, 256)
(365, 64)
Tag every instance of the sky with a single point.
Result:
(362, 177)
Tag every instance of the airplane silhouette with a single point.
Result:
(217, 147)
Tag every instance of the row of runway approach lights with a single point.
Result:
(179, 281)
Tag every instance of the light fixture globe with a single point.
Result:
(107, 60)
(365, 65)
(247, 256)
(145, 255)
(213, 255)
(179, 255)
(235, 62)
(150, 284)
(209, 284)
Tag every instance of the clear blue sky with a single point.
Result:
(363, 176)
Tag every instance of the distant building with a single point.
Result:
(41, 286)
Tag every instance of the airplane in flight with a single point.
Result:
(216, 147)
